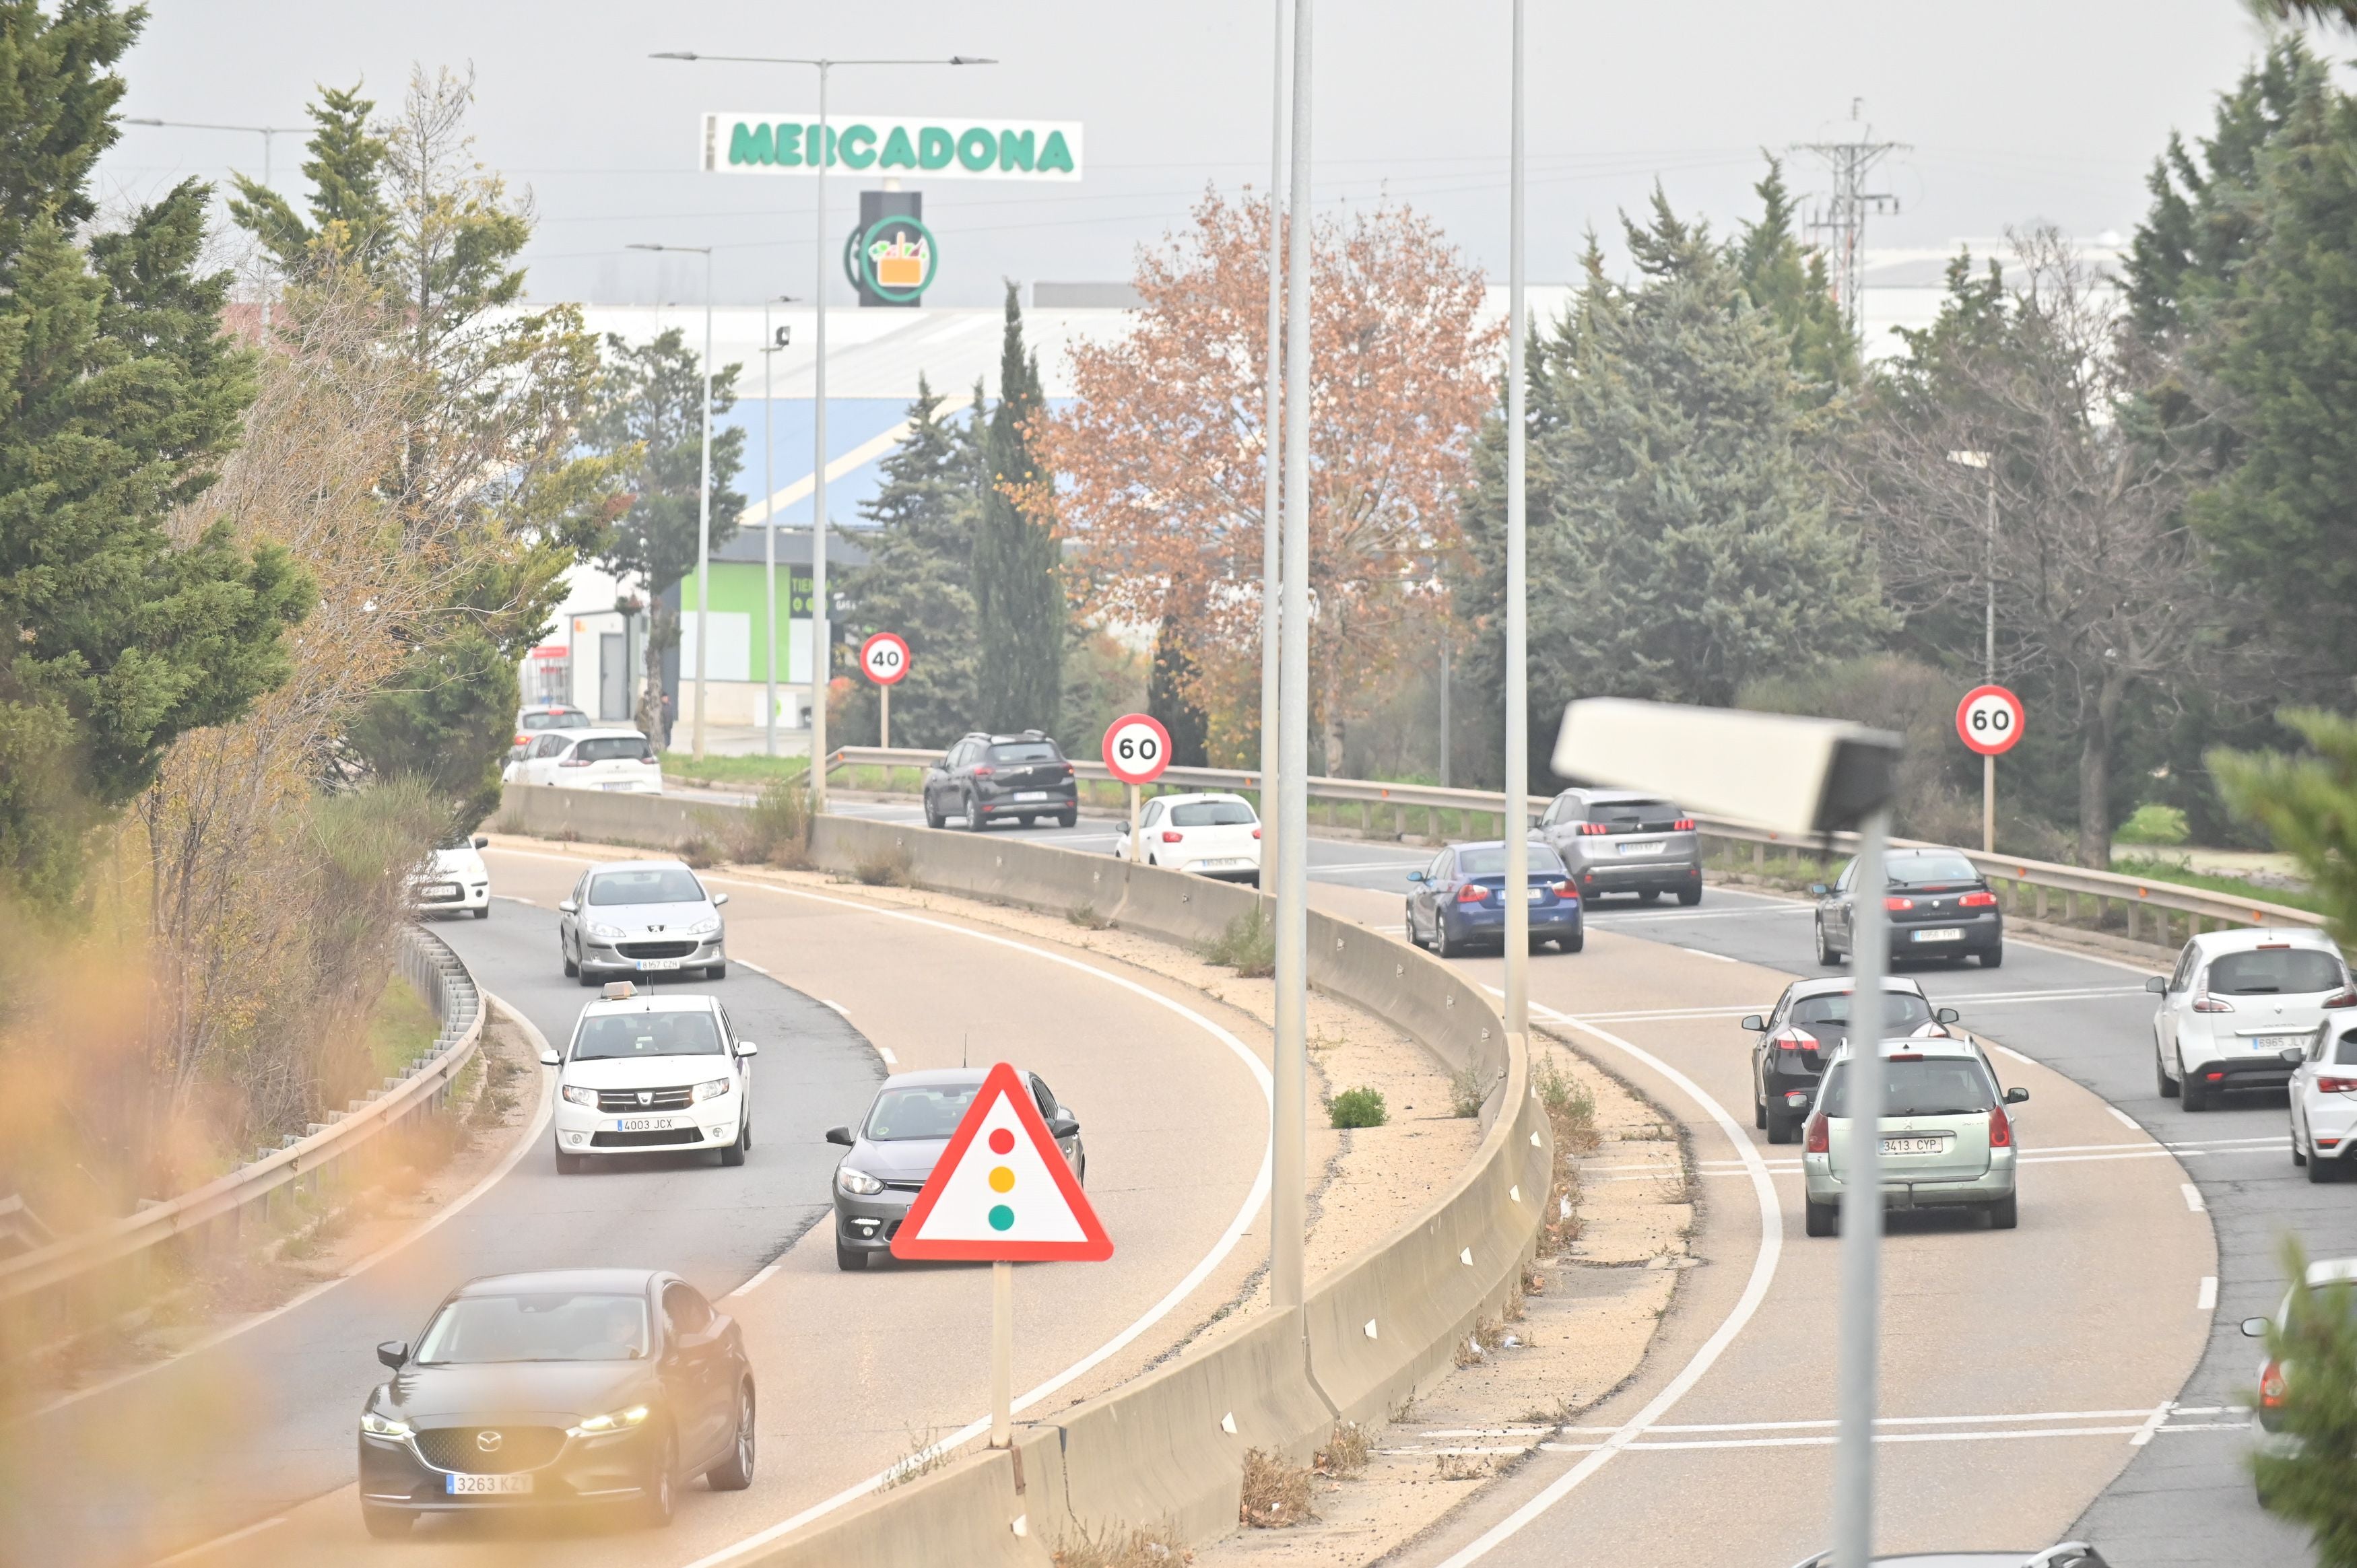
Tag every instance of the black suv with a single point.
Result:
(989, 778)
(1940, 907)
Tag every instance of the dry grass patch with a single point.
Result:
(1120, 1546)
(886, 868)
(1345, 1453)
(1275, 1492)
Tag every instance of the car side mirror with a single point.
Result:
(1796, 1098)
(718, 900)
(567, 906)
(2255, 1328)
(1415, 877)
(747, 1048)
(2294, 1055)
(394, 1353)
(550, 1058)
(482, 843)
(1819, 889)
(839, 1135)
(2016, 1096)
(1947, 1015)
(1064, 1127)
(2156, 984)
(1755, 1023)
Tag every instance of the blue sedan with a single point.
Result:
(1458, 901)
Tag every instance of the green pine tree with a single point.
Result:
(918, 579)
(1019, 591)
(1788, 281)
(350, 220)
(121, 396)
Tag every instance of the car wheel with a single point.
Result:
(588, 978)
(563, 952)
(1758, 1105)
(2299, 1154)
(1068, 819)
(1993, 957)
(1574, 942)
(1821, 1219)
(849, 1259)
(2322, 1170)
(1825, 954)
(1441, 946)
(933, 817)
(2168, 1084)
(661, 1499)
(386, 1524)
(1689, 897)
(734, 1155)
(568, 1165)
(1407, 924)
(2005, 1213)
(2191, 1089)
(735, 1473)
(484, 913)
(973, 816)
(1782, 1128)
(715, 970)
(1647, 894)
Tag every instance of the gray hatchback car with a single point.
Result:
(896, 1144)
(640, 917)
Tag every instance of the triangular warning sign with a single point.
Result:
(1002, 1190)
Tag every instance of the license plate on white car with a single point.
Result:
(646, 963)
(2273, 1043)
(1945, 934)
(644, 1124)
(442, 890)
(1232, 864)
(1913, 1145)
(623, 786)
(1030, 795)
(461, 1486)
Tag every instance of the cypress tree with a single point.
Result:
(1166, 698)
(1018, 592)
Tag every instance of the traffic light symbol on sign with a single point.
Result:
(1002, 1188)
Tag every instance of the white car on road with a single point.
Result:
(453, 879)
(1212, 836)
(652, 1075)
(2237, 1002)
(2323, 1095)
(615, 759)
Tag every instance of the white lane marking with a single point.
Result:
(220, 1540)
(504, 897)
(539, 1043)
(2192, 1196)
(757, 1282)
(2025, 1061)
(2152, 1423)
(1619, 919)
(1829, 1423)
(2206, 1299)
(1367, 865)
(890, 1059)
(2124, 1119)
(1700, 954)
(1755, 1290)
(1596, 1449)
(836, 1005)
(755, 968)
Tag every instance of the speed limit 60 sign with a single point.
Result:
(1136, 748)
(1989, 720)
(885, 657)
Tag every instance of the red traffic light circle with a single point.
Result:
(1989, 720)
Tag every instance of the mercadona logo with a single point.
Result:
(790, 144)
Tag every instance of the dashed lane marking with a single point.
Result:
(2193, 1196)
(2206, 1299)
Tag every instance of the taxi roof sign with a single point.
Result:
(1002, 1192)
(619, 990)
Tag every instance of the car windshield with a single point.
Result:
(544, 1326)
(1212, 814)
(456, 841)
(1910, 870)
(662, 885)
(1902, 1011)
(2271, 972)
(614, 748)
(607, 1035)
(1025, 751)
(561, 718)
(1489, 860)
(1932, 1086)
(1651, 815)
(919, 1110)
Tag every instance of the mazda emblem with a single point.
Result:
(646, 1097)
(488, 1442)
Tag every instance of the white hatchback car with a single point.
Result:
(1212, 836)
(453, 880)
(615, 759)
(2323, 1094)
(2236, 1002)
(652, 1075)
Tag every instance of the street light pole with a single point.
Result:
(769, 347)
(818, 158)
(1271, 424)
(1859, 1356)
(1517, 825)
(702, 504)
(1986, 463)
(267, 133)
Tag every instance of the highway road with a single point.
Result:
(253, 1438)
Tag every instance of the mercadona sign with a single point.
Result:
(894, 144)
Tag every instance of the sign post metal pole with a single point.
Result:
(884, 718)
(1002, 1354)
(1136, 845)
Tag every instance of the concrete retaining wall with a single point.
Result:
(1167, 1449)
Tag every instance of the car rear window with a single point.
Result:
(560, 718)
(1910, 869)
(2272, 971)
(1212, 814)
(661, 884)
(1637, 816)
(552, 1326)
(615, 748)
(1026, 751)
(1489, 860)
(1902, 1012)
(1934, 1086)
(927, 1110)
(616, 1035)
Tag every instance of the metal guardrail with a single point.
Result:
(82, 1265)
(2153, 910)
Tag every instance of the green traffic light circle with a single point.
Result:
(1002, 1218)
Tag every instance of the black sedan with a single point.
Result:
(987, 778)
(581, 1387)
(1940, 906)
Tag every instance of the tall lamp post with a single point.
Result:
(1987, 465)
(702, 502)
(1517, 824)
(821, 637)
(773, 340)
(1272, 452)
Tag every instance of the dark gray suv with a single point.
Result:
(1622, 841)
(986, 778)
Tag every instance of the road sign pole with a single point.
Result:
(1002, 1354)
(884, 718)
(1988, 803)
(1136, 845)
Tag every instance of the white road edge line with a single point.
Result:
(1700, 954)
(757, 1282)
(2206, 1299)
(1755, 1290)
(220, 1540)
(2124, 1119)
(490, 1179)
(2152, 1423)
(2193, 1196)
(2025, 1061)
(890, 1059)
(839, 1007)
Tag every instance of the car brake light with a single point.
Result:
(1172, 837)
(1566, 890)
(1255, 832)
(2275, 947)
(1472, 894)
(2337, 1085)
(1898, 903)
(1683, 825)
(1591, 828)
(2344, 998)
(1796, 1040)
(1068, 771)
(1980, 900)
(2271, 1386)
(2000, 1128)
(983, 772)
(1819, 1136)
(2205, 1003)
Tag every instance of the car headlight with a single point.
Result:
(857, 1183)
(580, 1096)
(608, 932)
(713, 1090)
(704, 928)
(376, 1425)
(612, 1421)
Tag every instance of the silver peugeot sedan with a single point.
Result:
(1946, 1139)
(640, 917)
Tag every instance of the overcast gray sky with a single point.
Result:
(2018, 111)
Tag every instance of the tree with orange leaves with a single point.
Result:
(1160, 456)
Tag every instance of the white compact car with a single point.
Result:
(652, 1075)
(2266, 1417)
(615, 759)
(2323, 1094)
(453, 879)
(2237, 1002)
(1210, 835)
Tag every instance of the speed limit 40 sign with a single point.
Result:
(1136, 748)
(885, 657)
(1989, 720)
